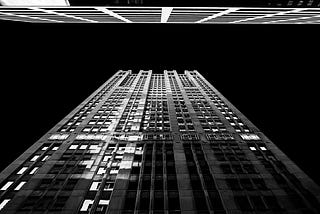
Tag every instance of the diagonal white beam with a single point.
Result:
(60, 14)
(165, 14)
(217, 15)
(293, 19)
(30, 17)
(269, 15)
(111, 13)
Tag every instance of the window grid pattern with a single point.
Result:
(108, 112)
(19, 178)
(154, 185)
(156, 114)
(189, 169)
(207, 116)
(131, 117)
(185, 123)
(127, 82)
(229, 115)
(82, 114)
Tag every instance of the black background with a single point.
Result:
(269, 72)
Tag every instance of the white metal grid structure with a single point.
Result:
(204, 15)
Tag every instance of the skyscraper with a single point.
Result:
(156, 143)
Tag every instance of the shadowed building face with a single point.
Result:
(161, 143)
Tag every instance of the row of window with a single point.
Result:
(82, 114)
(229, 115)
(156, 114)
(131, 118)
(23, 174)
(107, 113)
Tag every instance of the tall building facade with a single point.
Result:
(156, 143)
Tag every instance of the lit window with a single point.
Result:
(106, 158)
(86, 204)
(45, 158)
(20, 185)
(83, 146)
(34, 170)
(104, 202)
(86, 129)
(35, 158)
(114, 171)
(22, 170)
(101, 171)
(126, 165)
(94, 147)
(44, 148)
(263, 148)
(55, 148)
(94, 186)
(249, 137)
(3, 203)
(252, 148)
(7, 185)
(73, 147)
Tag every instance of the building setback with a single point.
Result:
(156, 143)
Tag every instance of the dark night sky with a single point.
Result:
(268, 72)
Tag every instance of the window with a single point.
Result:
(249, 137)
(35, 158)
(73, 147)
(272, 202)
(33, 170)
(7, 185)
(59, 203)
(55, 148)
(22, 170)
(233, 184)
(83, 146)
(173, 200)
(71, 183)
(94, 186)
(44, 148)
(257, 202)
(86, 205)
(243, 203)
(20, 185)
(3, 203)
(101, 171)
(45, 158)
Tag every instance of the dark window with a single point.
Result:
(233, 184)
(246, 184)
(172, 182)
(272, 203)
(146, 182)
(216, 201)
(257, 202)
(243, 203)
(144, 200)
(130, 200)
(173, 200)
(44, 203)
(158, 200)
(200, 200)
(260, 184)
(59, 203)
